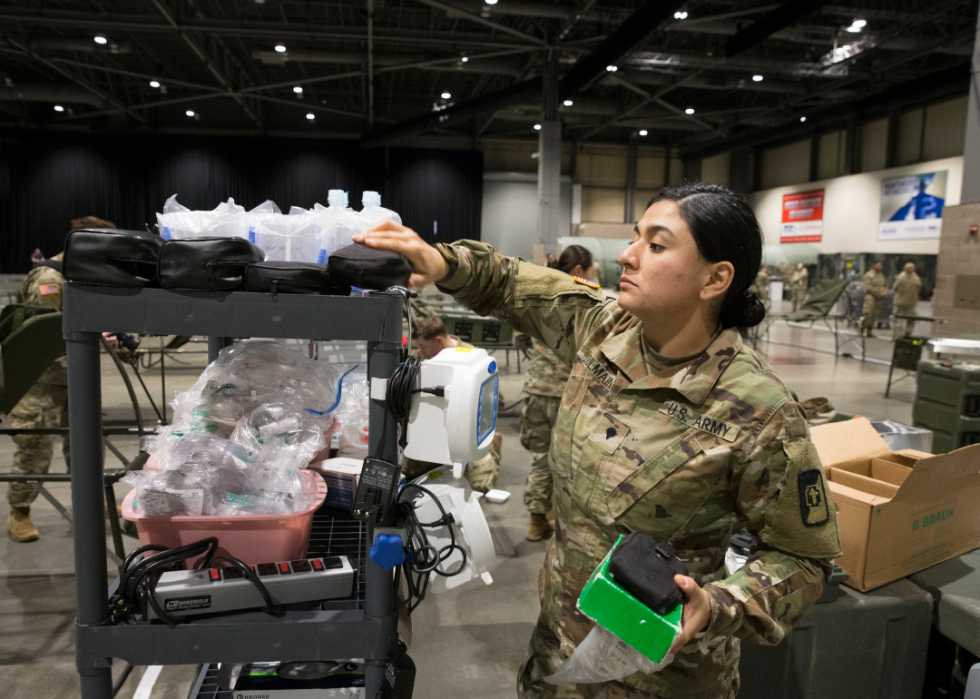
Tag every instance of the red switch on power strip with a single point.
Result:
(317, 564)
(215, 574)
(284, 568)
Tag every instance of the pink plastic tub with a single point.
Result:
(251, 538)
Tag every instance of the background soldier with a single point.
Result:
(875, 290)
(798, 283)
(760, 287)
(45, 405)
(907, 287)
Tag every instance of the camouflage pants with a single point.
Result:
(543, 659)
(798, 295)
(481, 474)
(903, 327)
(870, 312)
(537, 421)
(44, 405)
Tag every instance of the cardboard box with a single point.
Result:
(341, 476)
(898, 512)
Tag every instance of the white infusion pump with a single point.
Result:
(459, 426)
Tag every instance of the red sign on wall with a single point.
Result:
(802, 217)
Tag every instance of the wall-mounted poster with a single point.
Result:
(802, 217)
(912, 207)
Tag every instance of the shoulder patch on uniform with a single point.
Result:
(586, 282)
(813, 498)
(712, 425)
(47, 289)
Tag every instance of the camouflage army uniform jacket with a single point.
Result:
(907, 286)
(44, 286)
(679, 455)
(547, 374)
(875, 285)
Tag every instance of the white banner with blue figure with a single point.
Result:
(912, 207)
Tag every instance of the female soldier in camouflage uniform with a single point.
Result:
(546, 378)
(668, 425)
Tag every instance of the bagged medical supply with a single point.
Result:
(601, 657)
(280, 434)
(178, 222)
(373, 213)
(228, 220)
(336, 225)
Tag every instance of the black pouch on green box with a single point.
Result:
(646, 570)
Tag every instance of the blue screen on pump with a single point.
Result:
(486, 417)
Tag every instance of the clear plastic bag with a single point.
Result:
(373, 213)
(352, 412)
(177, 221)
(282, 436)
(226, 221)
(602, 657)
(267, 227)
(337, 224)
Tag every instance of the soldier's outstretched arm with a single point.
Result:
(782, 495)
(544, 303)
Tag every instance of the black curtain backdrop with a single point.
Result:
(47, 179)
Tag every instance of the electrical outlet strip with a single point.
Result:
(194, 592)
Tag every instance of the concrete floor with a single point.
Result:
(467, 643)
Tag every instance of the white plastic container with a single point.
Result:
(373, 213)
(337, 225)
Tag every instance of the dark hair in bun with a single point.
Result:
(572, 257)
(725, 229)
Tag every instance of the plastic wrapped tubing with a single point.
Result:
(602, 657)
(352, 407)
(283, 436)
(177, 221)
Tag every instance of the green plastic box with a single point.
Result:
(616, 610)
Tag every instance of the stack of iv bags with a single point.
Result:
(302, 235)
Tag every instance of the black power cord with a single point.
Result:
(423, 558)
(398, 396)
(138, 576)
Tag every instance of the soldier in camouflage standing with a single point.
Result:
(907, 287)
(875, 289)
(669, 425)
(45, 404)
(760, 287)
(798, 283)
(545, 382)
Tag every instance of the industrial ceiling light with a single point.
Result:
(445, 95)
(490, 2)
(298, 90)
(464, 59)
(612, 69)
(154, 84)
(568, 103)
(280, 48)
(537, 127)
(757, 78)
(190, 113)
(311, 116)
(859, 23)
(643, 132)
(802, 119)
(59, 108)
(689, 111)
(101, 40)
(680, 15)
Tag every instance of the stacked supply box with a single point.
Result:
(477, 330)
(948, 403)
(898, 511)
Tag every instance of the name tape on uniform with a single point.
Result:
(711, 425)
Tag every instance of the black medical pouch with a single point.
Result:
(112, 257)
(206, 264)
(646, 570)
(292, 278)
(368, 268)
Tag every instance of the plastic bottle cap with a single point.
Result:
(370, 199)
(337, 197)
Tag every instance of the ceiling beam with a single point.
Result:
(208, 62)
(767, 25)
(473, 17)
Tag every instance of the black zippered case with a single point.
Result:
(206, 264)
(112, 257)
(277, 277)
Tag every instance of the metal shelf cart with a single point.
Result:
(362, 627)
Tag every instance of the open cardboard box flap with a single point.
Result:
(837, 442)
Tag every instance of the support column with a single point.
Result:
(87, 497)
(549, 160)
(971, 144)
(891, 148)
(814, 157)
(851, 146)
(629, 209)
(741, 170)
(692, 169)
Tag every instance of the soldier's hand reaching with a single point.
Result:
(428, 264)
(696, 613)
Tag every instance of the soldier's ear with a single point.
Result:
(718, 279)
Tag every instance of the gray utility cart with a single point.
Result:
(362, 627)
